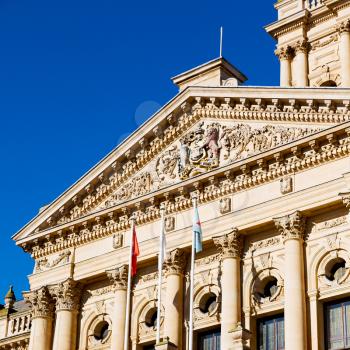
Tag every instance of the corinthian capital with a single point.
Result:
(284, 53)
(301, 46)
(291, 226)
(119, 277)
(229, 244)
(41, 302)
(175, 262)
(67, 295)
(344, 27)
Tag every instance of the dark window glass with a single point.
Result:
(209, 340)
(338, 325)
(271, 333)
(149, 347)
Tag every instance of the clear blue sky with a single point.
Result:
(78, 76)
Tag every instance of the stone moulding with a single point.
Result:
(312, 151)
(317, 111)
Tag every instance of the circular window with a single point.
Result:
(335, 269)
(268, 287)
(101, 331)
(208, 303)
(151, 318)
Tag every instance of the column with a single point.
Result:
(174, 265)
(119, 278)
(67, 295)
(285, 56)
(344, 52)
(291, 228)
(232, 333)
(42, 317)
(301, 64)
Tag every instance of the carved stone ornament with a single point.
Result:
(284, 53)
(117, 240)
(344, 27)
(286, 184)
(67, 295)
(42, 304)
(229, 244)
(169, 223)
(175, 262)
(291, 226)
(119, 277)
(44, 264)
(225, 205)
(345, 196)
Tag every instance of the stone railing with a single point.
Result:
(18, 324)
(313, 4)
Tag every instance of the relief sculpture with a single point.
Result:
(206, 147)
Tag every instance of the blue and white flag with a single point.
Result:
(197, 229)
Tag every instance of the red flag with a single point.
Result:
(135, 253)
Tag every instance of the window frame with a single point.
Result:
(345, 322)
(268, 318)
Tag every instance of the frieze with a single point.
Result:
(265, 243)
(208, 260)
(44, 264)
(331, 223)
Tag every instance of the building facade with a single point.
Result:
(270, 168)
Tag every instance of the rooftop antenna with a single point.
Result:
(221, 33)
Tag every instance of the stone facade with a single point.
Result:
(270, 168)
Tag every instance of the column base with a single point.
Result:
(240, 338)
(165, 344)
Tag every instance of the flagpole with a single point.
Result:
(160, 270)
(190, 341)
(127, 311)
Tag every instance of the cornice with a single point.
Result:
(273, 104)
(312, 151)
(288, 24)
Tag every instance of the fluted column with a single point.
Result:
(301, 64)
(285, 56)
(174, 266)
(344, 52)
(42, 316)
(230, 249)
(67, 295)
(119, 278)
(292, 229)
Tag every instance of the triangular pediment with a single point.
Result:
(208, 145)
(200, 130)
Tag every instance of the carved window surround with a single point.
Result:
(315, 150)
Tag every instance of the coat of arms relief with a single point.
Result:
(207, 146)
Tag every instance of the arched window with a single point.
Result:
(329, 83)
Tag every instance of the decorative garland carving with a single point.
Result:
(44, 264)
